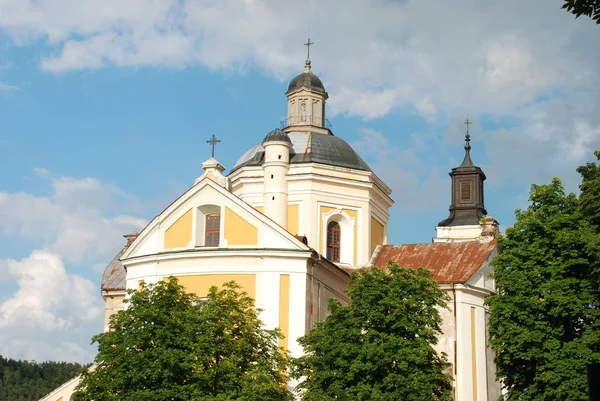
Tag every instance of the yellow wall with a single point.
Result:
(377, 233)
(293, 216)
(200, 284)
(324, 211)
(180, 232)
(238, 231)
(284, 309)
(350, 212)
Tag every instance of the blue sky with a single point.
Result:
(105, 109)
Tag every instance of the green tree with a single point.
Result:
(379, 347)
(29, 381)
(589, 8)
(544, 318)
(171, 345)
(589, 198)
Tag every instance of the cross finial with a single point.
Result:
(308, 44)
(467, 160)
(467, 123)
(468, 135)
(213, 141)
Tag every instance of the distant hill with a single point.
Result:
(30, 381)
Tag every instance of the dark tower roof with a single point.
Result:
(310, 148)
(307, 80)
(277, 135)
(467, 205)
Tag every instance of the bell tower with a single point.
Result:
(467, 202)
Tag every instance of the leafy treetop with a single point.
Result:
(379, 347)
(544, 318)
(171, 345)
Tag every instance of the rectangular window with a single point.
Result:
(213, 229)
(333, 241)
(465, 192)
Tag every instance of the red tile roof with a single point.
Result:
(449, 262)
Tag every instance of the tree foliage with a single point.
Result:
(589, 8)
(544, 320)
(30, 381)
(171, 345)
(589, 197)
(379, 347)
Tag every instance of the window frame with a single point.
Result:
(212, 233)
(333, 246)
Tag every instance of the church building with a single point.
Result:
(298, 212)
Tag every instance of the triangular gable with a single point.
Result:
(450, 263)
(179, 226)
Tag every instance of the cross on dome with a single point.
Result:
(308, 44)
(307, 63)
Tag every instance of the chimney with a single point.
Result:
(130, 238)
(489, 228)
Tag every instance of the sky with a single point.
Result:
(106, 106)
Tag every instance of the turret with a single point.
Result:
(467, 220)
(306, 101)
(276, 164)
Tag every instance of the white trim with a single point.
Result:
(156, 222)
(210, 253)
(347, 224)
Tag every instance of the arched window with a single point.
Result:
(213, 229)
(334, 239)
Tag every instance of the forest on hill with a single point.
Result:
(30, 381)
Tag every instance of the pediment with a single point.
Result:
(187, 224)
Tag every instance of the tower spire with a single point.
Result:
(467, 162)
(307, 62)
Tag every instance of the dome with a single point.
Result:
(307, 80)
(277, 135)
(310, 148)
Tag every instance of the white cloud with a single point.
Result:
(8, 87)
(54, 311)
(500, 60)
(74, 221)
(374, 56)
(50, 307)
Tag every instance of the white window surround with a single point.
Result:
(199, 219)
(347, 233)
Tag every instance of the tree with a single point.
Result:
(29, 381)
(589, 8)
(379, 347)
(171, 345)
(544, 318)
(589, 198)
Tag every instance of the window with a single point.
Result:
(213, 229)
(333, 241)
(465, 192)
(303, 112)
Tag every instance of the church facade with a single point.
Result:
(295, 215)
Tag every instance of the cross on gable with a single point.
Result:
(213, 141)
